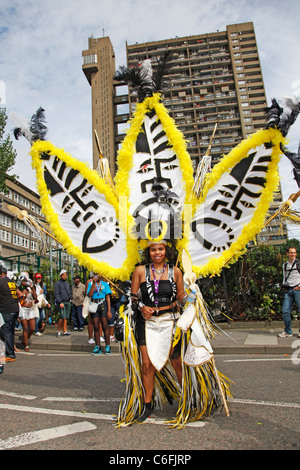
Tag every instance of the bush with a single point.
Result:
(248, 289)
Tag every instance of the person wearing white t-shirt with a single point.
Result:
(291, 285)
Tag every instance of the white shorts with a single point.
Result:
(28, 313)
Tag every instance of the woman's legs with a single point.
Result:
(148, 371)
(28, 329)
(31, 324)
(105, 329)
(96, 324)
(148, 374)
(90, 327)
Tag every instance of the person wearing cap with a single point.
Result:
(78, 293)
(9, 308)
(63, 297)
(41, 292)
(28, 312)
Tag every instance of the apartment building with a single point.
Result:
(215, 79)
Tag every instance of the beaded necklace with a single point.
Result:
(156, 283)
(98, 288)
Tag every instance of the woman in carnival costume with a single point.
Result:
(209, 218)
(28, 313)
(159, 285)
(165, 345)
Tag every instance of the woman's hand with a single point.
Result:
(147, 312)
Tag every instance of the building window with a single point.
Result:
(89, 59)
(9, 194)
(21, 227)
(21, 241)
(5, 236)
(5, 220)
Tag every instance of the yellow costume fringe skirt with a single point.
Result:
(203, 389)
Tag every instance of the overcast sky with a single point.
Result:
(41, 43)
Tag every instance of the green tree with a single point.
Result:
(7, 153)
(293, 242)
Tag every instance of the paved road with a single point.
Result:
(53, 400)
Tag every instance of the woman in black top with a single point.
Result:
(10, 296)
(159, 292)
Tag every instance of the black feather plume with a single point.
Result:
(160, 70)
(17, 131)
(273, 113)
(144, 79)
(132, 76)
(37, 126)
(32, 130)
(283, 118)
(129, 75)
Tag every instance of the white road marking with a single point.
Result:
(76, 354)
(45, 435)
(85, 415)
(15, 395)
(63, 354)
(76, 414)
(259, 359)
(80, 399)
(195, 424)
(26, 353)
(265, 403)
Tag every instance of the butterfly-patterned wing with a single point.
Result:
(235, 201)
(83, 212)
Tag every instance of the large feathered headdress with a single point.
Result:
(104, 224)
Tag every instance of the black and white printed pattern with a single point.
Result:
(83, 212)
(154, 161)
(229, 206)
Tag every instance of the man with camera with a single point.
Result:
(291, 289)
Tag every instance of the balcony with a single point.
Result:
(121, 118)
(89, 66)
(121, 99)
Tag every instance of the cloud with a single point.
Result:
(41, 64)
(2, 93)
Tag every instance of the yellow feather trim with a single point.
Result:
(249, 231)
(92, 176)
